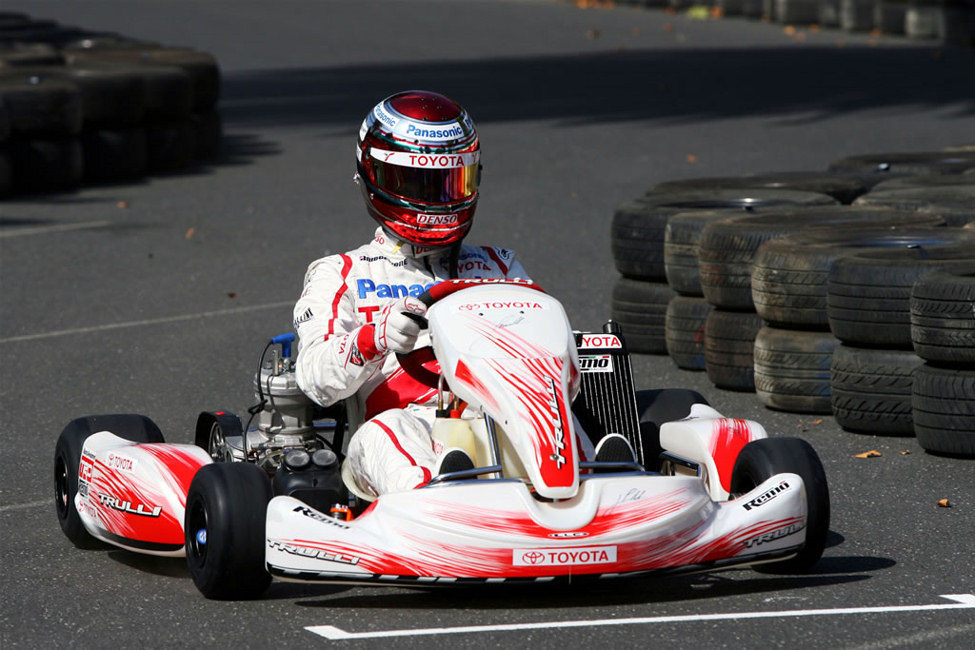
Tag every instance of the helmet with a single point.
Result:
(418, 162)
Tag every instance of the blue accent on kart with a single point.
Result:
(285, 340)
(201, 536)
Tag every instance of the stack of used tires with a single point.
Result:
(773, 286)
(943, 334)
(88, 107)
(642, 295)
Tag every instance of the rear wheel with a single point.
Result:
(225, 523)
(761, 459)
(67, 461)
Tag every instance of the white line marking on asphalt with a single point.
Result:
(962, 601)
(24, 506)
(43, 230)
(148, 321)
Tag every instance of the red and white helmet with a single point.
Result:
(419, 167)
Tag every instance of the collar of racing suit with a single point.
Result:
(427, 257)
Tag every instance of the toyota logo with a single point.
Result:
(533, 557)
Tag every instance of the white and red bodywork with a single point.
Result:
(134, 495)
(509, 353)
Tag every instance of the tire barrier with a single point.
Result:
(638, 227)
(729, 342)
(817, 308)
(949, 21)
(943, 334)
(871, 389)
(792, 369)
(640, 308)
(78, 106)
(684, 331)
(790, 274)
(727, 247)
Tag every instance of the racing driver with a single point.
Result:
(418, 165)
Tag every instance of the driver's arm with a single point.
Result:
(337, 352)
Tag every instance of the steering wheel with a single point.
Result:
(412, 362)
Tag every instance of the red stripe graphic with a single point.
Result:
(493, 254)
(399, 447)
(346, 267)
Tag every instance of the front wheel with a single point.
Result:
(224, 526)
(761, 459)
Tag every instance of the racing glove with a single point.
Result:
(395, 330)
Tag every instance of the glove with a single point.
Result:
(395, 331)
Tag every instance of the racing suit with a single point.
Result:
(343, 294)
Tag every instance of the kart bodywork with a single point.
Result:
(535, 508)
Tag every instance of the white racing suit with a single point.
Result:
(393, 450)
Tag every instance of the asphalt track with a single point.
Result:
(158, 297)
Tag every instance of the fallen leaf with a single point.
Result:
(592, 34)
(819, 421)
(670, 11)
(691, 158)
(906, 452)
(800, 37)
(875, 33)
(231, 295)
(189, 233)
(789, 30)
(122, 205)
(717, 13)
(668, 27)
(944, 503)
(873, 453)
(814, 28)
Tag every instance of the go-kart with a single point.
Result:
(691, 491)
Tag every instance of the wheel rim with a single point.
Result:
(197, 527)
(217, 447)
(61, 490)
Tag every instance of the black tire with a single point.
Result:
(201, 67)
(914, 164)
(790, 274)
(41, 106)
(729, 342)
(684, 326)
(871, 389)
(942, 318)
(955, 203)
(869, 293)
(67, 460)
(682, 238)
(19, 55)
(212, 430)
(792, 369)
(111, 95)
(46, 164)
(654, 408)
(944, 409)
(640, 308)
(225, 522)
(926, 181)
(171, 146)
(114, 155)
(167, 90)
(758, 461)
(727, 248)
(842, 188)
(638, 228)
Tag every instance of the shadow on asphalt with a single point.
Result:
(593, 593)
(807, 84)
